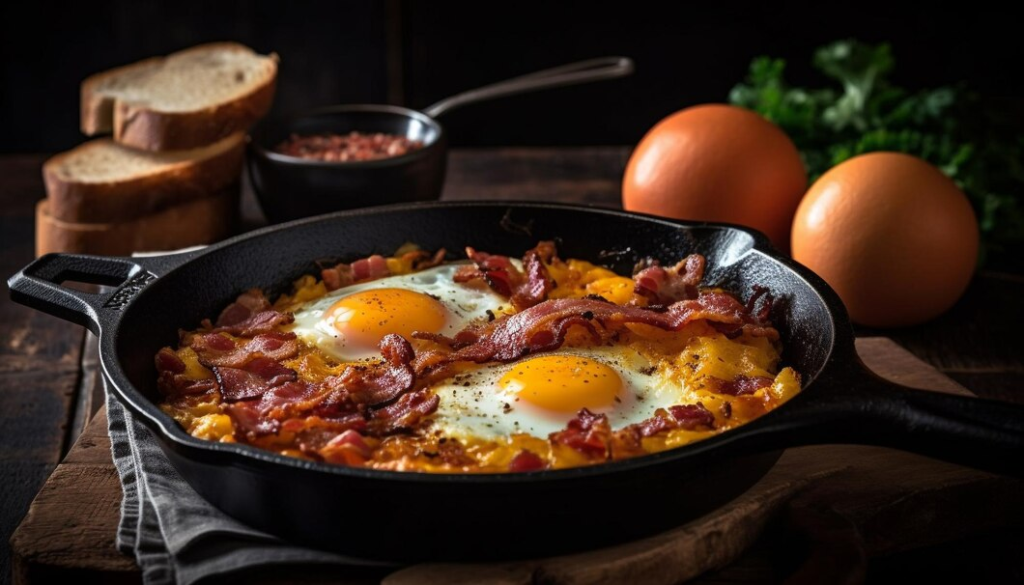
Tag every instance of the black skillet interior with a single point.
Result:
(459, 517)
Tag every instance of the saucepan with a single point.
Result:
(290, 187)
(415, 516)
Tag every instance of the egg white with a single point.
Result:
(465, 303)
(474, 405)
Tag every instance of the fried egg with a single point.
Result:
(539, 395)
(348, 324)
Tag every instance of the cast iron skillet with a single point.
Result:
(411, 516)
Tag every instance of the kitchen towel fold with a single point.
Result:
(177, 536)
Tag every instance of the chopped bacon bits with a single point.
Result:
(588, 433)
(526, 460)
(342, 275)
(524, 289)
(664, 286)
(741, 385)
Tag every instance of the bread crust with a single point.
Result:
(114, 201)
(145, 128)
(202, 221)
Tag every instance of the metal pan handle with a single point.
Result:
(40, 285)
(571, 74)
(979, 433)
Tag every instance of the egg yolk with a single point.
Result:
(365, 317)
(563, 383)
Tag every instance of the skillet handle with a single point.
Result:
(581, 72)
(979, 433)
(40, 285)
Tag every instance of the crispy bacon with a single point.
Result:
(741, 385)
(525, 288)
(587, 433)
(691, 416)
(341, 275)
(262, 322)
(252, 380)
(526, 460)
(421, 259)
(171, 380)
(291, 399)
(680, 416)
(544, 327)
(168, 361)
(664, 286)
(248, 420)
(215, 349)
(347, 448)
(247, 304)
(404, 413)
(379, 384)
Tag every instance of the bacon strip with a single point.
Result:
(403, 413)
(171, 380)
(587, 433)
(664, 286)
(544, 327)
(341, 275)
(215, 349)
(262, 322)
(421, 259)
(741, 386)
(253, 379)
(526, 460)
(525, 289)
(381, 384)
(248, 420)
(591, 434)
(247, 304)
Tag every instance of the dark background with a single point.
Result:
(415, 53)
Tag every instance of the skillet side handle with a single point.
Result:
(979, 433)
(574, 73)
(40, 286)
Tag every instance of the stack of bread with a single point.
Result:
(169, 175)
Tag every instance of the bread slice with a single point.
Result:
(185, 100)
(202, 221)
(103, 182)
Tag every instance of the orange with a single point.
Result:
(717, 163)
(891, 234)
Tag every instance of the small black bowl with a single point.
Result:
(290, 187)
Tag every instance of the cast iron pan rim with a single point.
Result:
(260, 150)
(245, 455)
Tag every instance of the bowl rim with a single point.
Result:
(258, 149)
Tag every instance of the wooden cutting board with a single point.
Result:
(848, 503)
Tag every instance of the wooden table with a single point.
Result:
(47, 396)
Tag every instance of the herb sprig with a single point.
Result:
(951, 127)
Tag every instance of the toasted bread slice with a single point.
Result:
(186, 100)
(103, 182)
(202, 221)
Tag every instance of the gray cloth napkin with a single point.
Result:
(175, 535)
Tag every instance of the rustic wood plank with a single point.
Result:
(90, 392)
(591, 175)
(39, 357)
(72, 521)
